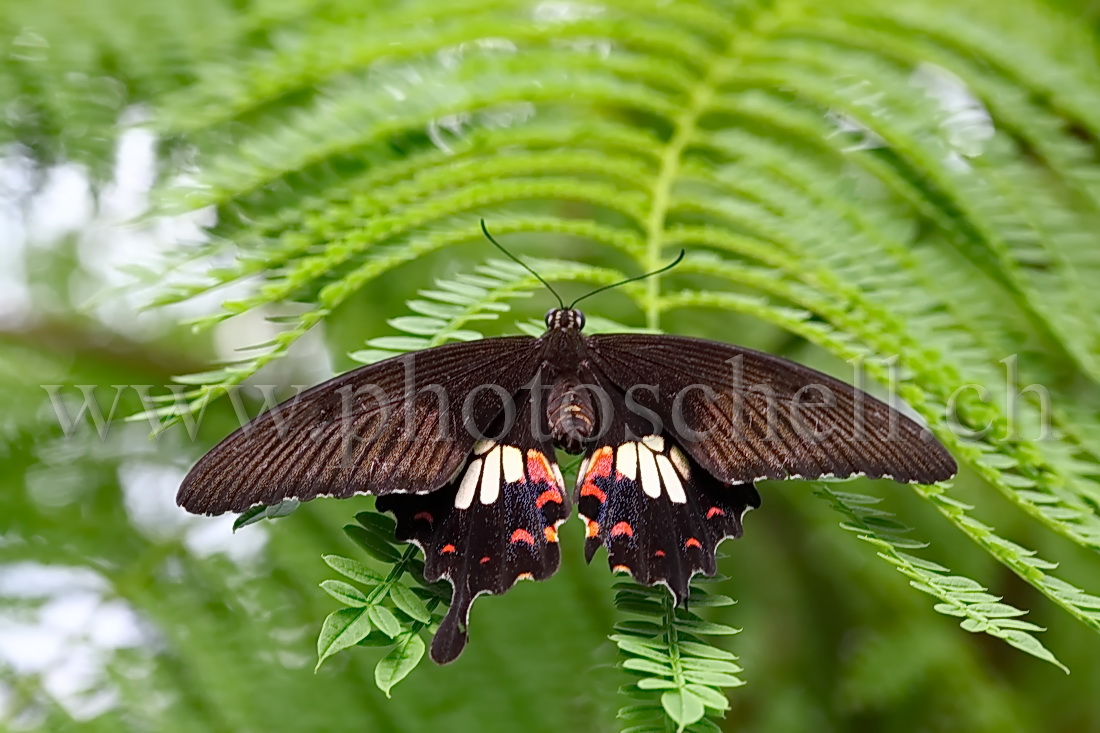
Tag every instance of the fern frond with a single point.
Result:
(959, 596)
(884, 180)
(445, 314)
(676, 675)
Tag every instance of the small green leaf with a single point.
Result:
(374, 547)
(975, 624)
(384, 619)
(702, 650)
(376, 638)
(711, 698)
(683, 707)
(372, 356)
(949, 609)
(701, 600)
(706, 628)
(640, 608)
(409, 603)
(647, 666)
(997, 610)
(656, 683)
(401, 660)
(399, 343)
(437, 310)
(418, 325)
(640, 648)
(353, 569)
(346, 593)
(1028, 643)
(958, 582)
(639, 712)
(1013, 623)
(380, 524)
(715, 679)
(342, 629)
(213, 376)
(641, 628)
(258, 513)
(710, 665)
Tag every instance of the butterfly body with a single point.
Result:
(458, 442)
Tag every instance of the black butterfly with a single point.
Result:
(458, 443)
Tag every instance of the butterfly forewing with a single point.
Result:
(402, 425)
(744, 415)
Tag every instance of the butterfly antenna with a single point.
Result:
(521, 263)
(636, 278)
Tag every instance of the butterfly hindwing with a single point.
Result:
(744, 415)
(494, 524)
(659, 514)
(395, 426)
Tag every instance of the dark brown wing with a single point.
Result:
(406, 424)
(744, 415)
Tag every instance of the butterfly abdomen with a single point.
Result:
(571, 415)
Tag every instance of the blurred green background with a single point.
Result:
(119, 612)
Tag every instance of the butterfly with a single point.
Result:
(459, 443)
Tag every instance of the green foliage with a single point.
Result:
(368, 620)
(958, 595)
(743, 143)
(676, 674)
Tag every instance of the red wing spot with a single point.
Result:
(621, 569)
(692, 542)
(525, 576)
(425, 516)
(549, 495)
(551, 534)
(601, 463)
(659, 553)
(600, 467)
(622, 528)
(485, 559)
(589, 489)
(522, 535)
(538, 468)
(447, 549)
(714, 512)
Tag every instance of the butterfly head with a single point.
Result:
(564, 319)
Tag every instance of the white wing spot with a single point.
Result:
(679, 460)
(673, 487)
(654, 442)
(490, 479)
(557, 475)
(482, 447)
(512, 460)
(626, 460)
(465, 496)
(651, 481)
(582, 472)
